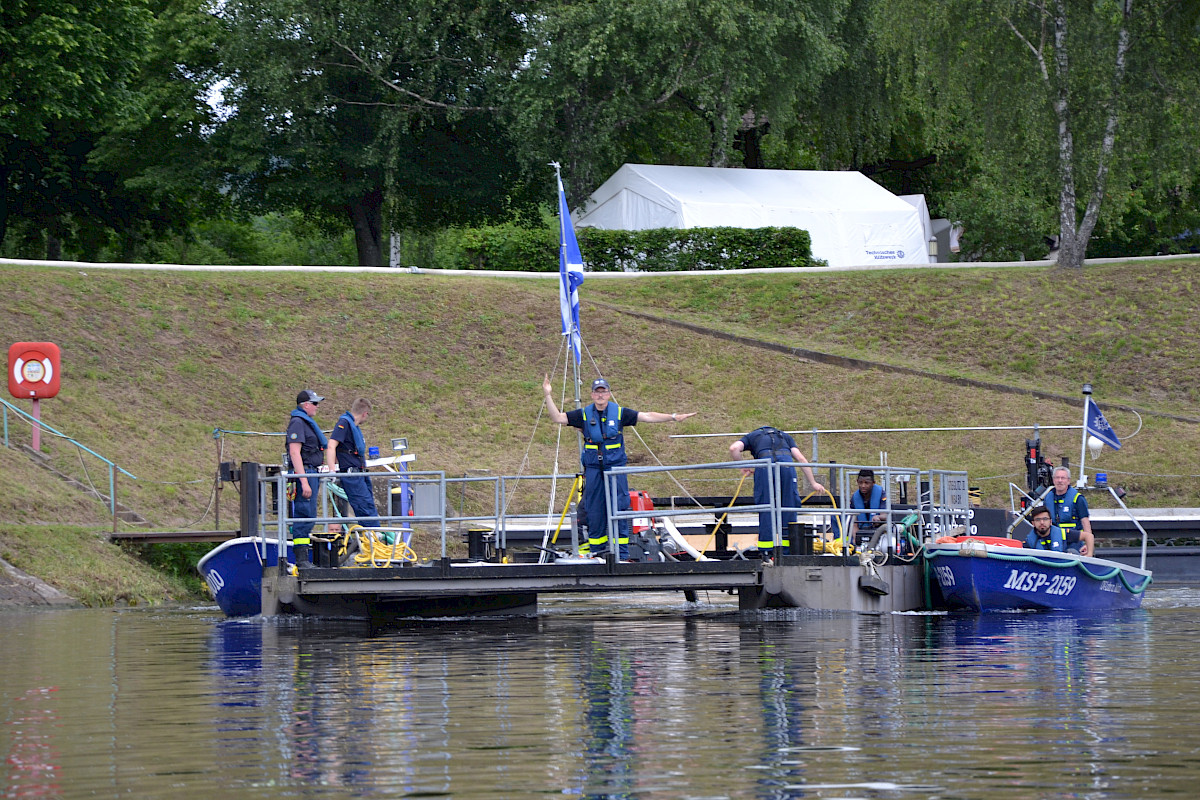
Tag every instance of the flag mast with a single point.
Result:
(570, 273)
(1087, 397)
(570, 278)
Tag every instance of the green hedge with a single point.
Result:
(507, 247)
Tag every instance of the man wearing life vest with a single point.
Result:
(348, 453)
(306, 449)
(1069, 511)
(1044, 536)
(869, 497)
(772, 443)
(603, 449)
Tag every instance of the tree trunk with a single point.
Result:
(1070, 254)
(748, 140)
(1074, 233)
(366, 215)
(53, 240)
(4, 173)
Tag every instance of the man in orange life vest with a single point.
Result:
(603, 449)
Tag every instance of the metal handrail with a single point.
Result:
(112, 467)
(816, 431)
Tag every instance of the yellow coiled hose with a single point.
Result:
(375, 551)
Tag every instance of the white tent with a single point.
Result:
(852, 220)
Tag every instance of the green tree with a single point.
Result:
(1057, 106)
(380, 114)
(66, 70)
(687, 81)
(157, 149)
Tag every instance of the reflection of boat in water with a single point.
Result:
(992, 574)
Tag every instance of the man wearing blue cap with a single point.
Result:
(603, 449)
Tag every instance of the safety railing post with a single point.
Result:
(776, 514)
(112, 495)
(442, 509)
(281, 520)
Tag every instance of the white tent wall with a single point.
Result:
(852, 220)
(917, 201)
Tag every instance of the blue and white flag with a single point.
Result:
(570, 273)
(1096, 425)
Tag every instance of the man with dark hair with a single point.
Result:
(772, 443)
(1045, 536)
(348, 453)
(869, 497)
(305, 447)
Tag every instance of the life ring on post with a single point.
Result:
(33, 370)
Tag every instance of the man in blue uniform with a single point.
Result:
(1069, 511)
(348, 453)
(306, 448)
(772, 443)
(1044, 536)
(603, 449)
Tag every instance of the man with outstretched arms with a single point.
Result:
(603, 449)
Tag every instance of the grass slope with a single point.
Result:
(153, 362)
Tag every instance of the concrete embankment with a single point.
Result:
(20, 589)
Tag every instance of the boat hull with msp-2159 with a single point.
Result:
(990, 574)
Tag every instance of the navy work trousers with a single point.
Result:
(789, 496)
(361, 499)
(597, 510)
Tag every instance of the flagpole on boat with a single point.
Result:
(566, 233)
(1087, 396)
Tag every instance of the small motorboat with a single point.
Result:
(233, 571)
(991, 573)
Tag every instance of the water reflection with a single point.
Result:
(637, 698)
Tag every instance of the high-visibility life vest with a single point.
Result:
(603, 444)
(1062, 509)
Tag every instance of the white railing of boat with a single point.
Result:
(942, 500)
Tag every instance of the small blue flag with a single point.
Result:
(1096, 425)
(570, 270)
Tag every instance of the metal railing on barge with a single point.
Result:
(265, 511)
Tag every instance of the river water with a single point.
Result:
(631, 696)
